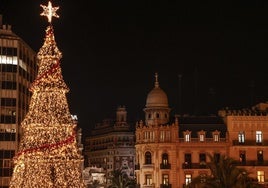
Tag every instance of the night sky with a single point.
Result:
(112, 49)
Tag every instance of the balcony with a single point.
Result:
(148, 166)
(148, 186)
(207, 140)
(186, 165)
(165, 166)
(250, 143)
(251, 163)
(165, 186)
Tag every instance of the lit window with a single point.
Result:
(188, 178)
(165, 158)
(260, 176)
(216, 137)
(165, 179)
(241, 137)
(162, 135)
(258, 137)
(148, 179)
(202, 137)
(187, 136)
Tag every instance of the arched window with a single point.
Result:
(165, 158)
(148, 158)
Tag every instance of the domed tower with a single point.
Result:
(156, 108)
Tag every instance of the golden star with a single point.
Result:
(49, 11)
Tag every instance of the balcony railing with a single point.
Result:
(238, 163)
(207, 140)
(165, 166)
(148, 186)
(165, 186)
(251, 163)
(148, 165)
(250, 143)
(194, 165)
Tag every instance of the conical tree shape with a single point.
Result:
(48, 155)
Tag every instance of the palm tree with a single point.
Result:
(224, 174)
(121, 180)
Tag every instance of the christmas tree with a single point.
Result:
(48, 154)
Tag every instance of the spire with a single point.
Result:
(156, 84)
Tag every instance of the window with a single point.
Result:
(148, 158)
(188, 178)
(165, 158)
(187, 136)
(242, 157)
(258, 137)
(146, 135)
(241, 137)
(260, 176)
(216, 138)
(168, 136)
(6, 163)
(260, 156)
(148, 179)
(187, 160)
(162, 135)
(157, 115)
(202, 159)
(202, 135)
(165, 179)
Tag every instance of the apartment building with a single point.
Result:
(18, 68)
(171, 152)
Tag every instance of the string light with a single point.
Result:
(48, 155)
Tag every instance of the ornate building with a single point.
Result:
(171, 154)
(111, 145)
(18, 69)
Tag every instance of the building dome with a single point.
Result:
(156, 97)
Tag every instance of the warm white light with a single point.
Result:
(49, 11)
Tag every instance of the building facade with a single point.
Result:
(111, 145)
(171, 153)
(18, 68)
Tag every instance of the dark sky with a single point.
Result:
(112, 48)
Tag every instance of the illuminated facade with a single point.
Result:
(111, 145)
(171, 154)
(18, 68)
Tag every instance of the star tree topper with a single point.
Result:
(49, 11)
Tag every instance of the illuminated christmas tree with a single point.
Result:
(48, 154)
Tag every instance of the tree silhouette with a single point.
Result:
(121, 180)
(224, 174)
